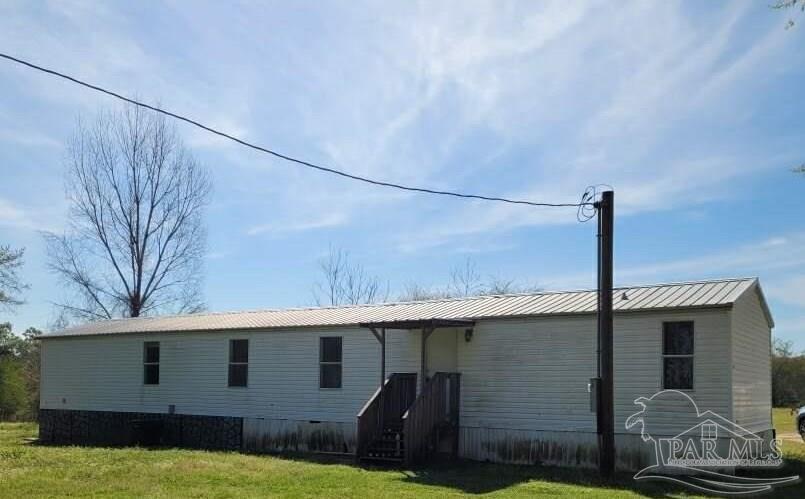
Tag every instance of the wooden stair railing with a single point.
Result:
(382, 413)
(436, 408)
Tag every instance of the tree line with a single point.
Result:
(19, 355)
(19, 374)
(342, 281)
(787, 375)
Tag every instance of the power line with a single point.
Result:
(583, 203)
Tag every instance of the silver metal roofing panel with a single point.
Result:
(588, 302)
(635, 297)
(657, 297)
(715, 293)
(707, 293)
(725, 292)
(687, 295)
(565, 302)
(544, 303)
(676, 292)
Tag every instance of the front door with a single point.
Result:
(441, 351)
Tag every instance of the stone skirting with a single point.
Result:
(60, 426)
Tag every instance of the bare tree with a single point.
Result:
(497, 285)
(346, 283)
(416, 292)
(10, 283)
(465, 280)
(500, 286)
(789, 4)
(136, 240)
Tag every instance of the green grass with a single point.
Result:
(29, 470)
(783, 420)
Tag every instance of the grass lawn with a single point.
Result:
(783, 420)
(28, 470)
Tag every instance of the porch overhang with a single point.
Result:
(424, 324)
(427, 326)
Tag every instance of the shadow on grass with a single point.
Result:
(476, 478)
(794, 464)
(471, 477)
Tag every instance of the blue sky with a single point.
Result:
(691, 110)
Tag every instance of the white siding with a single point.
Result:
(638, 368)
(517, 374)
(106, 373)
(751, 364)
(534, 374)
(441, 351)
(528, 374)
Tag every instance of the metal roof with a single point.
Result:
(699, 294)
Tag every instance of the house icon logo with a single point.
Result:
(706, 454)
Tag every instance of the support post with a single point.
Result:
(606, 401)
(426, 331)
(382, 358)
(381, 337)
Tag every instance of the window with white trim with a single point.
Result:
(677, 355)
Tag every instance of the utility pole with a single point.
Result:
(606, 401)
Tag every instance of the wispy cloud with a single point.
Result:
(19, 217)
(580, 96)
(777, 259)
(790, 289)
(774, 254)
(791, 328)
(325, 221)
(28, 139)
(12, 215)
(517, 79)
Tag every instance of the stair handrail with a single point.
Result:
(433, 407)
(371, 418)
(369, 425)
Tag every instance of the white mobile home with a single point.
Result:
(499, 378)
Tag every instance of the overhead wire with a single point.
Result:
(584, 206)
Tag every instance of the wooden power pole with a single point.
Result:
(606, 400)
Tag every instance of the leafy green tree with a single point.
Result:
(19, 373)
(787, 375)
(10, 344)
(13, 397)
(30, 362)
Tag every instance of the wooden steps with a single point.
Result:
(389, 447)
(399, 426)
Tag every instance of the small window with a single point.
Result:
(677, 355)
(330, 362)
(238, 362)
(151, 363)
